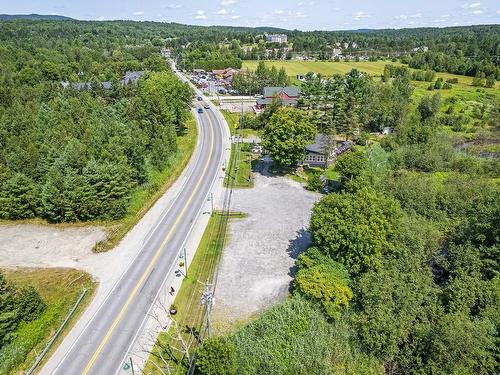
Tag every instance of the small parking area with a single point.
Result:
(258, 261)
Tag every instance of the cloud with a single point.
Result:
(222, 11)
(100, 18)
(174, 6)
(470, 5)
(235, 16)
(279, 11)
(445, 16)
(360, 15)
(406, 16)
(226, 3)
(299, 14)
(138, 13)
(200, 15)
(477, 11)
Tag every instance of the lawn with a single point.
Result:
(144, 197)
(233, 120)
(187, 301)
(462, 89)
(242, 174)
(59, 288)
(326, 68)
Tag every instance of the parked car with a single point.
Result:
(198, 98)
(206, 106)
(200, 110)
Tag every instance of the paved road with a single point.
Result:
(102, 346)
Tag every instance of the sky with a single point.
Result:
(288, 14)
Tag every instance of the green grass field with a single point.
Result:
(326, 68)
(462, 89)
(59, 288)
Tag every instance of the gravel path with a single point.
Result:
(258, 262)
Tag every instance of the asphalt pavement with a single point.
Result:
(102, 346)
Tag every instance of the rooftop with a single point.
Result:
(292, 91)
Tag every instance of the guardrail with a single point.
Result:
(58, 332)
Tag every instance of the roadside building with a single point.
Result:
(286, 96)
(225, 75)
(321, 153)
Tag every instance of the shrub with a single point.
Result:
(216, 357)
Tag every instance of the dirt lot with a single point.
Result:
(258, 262)
(46, 246)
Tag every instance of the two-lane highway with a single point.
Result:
(103, 344)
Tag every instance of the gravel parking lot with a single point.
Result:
(258, 262)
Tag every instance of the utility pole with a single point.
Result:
(185, 262)
(207, 300)
(132, 366)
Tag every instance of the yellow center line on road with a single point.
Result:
(159, 251)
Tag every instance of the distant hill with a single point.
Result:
(43, 17)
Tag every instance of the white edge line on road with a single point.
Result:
(224, 131)
(111, 291)
(181, 188)
(214, 179)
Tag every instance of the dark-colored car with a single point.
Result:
(198, 98)
(200, 110)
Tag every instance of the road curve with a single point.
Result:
(104, 342)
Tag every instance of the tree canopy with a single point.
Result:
(286, 134)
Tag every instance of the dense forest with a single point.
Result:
(403, 275)
(471, 50)
(75, 152)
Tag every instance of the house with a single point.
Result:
(420, 49)
(132, 76)
(286, 96)
(276, 38)
(79, 86)
(316, 154)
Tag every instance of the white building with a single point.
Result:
(277, 38)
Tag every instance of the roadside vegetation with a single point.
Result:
(143, 197)
(34, 303)
(402, 276)
(189, 315)
(240, 176)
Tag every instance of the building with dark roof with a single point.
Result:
(317, 154)
(286, 96)
(132, 76)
